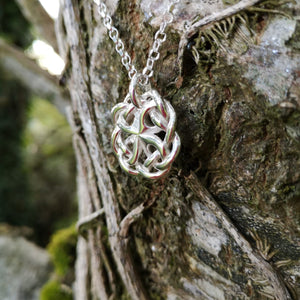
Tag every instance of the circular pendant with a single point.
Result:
(144, 137)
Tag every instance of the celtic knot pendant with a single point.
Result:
(144, 138)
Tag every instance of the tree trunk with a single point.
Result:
(224, 223)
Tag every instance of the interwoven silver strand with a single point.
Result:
(144, 137)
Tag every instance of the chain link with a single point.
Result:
(114, 36)
(159, 37)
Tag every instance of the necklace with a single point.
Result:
(144, 137)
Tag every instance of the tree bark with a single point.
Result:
(224, 224)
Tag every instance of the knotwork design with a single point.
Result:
(144, 137)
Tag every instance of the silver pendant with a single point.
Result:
(144, 137)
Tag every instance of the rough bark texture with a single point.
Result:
(224, 224)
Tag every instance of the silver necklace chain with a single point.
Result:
(159, 37)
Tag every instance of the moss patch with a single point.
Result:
(53, 290)
(62, 249)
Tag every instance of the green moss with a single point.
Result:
(53, 290)
(125, 296)
(294, 41)
(62, 249)
(154, 296)
(49, 159)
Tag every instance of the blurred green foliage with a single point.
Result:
(37, 168)
(50, 163)
(15, 205)
(13, 26)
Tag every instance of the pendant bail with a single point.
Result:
(138, 88)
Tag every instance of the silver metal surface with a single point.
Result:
(144, 138)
